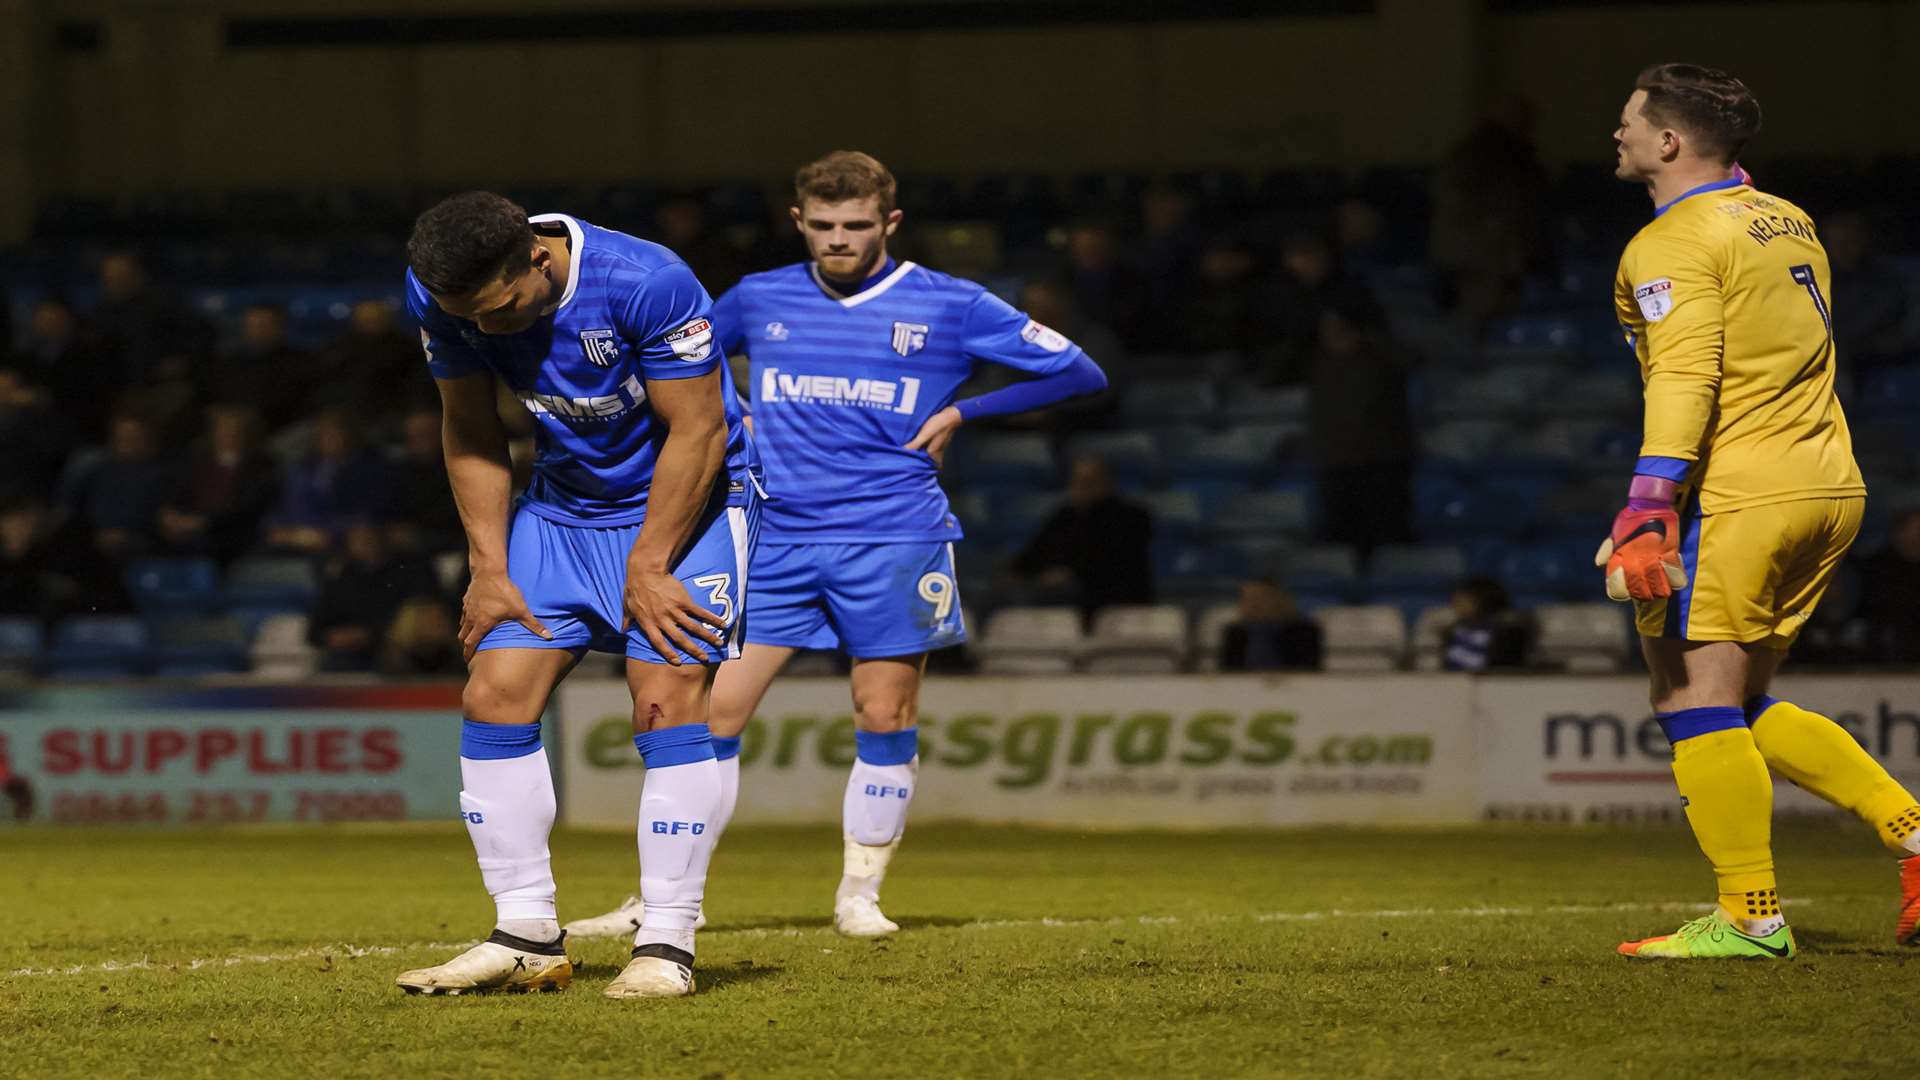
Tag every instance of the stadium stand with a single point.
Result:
(1524, 425)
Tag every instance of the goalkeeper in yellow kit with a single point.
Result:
(1743, 502)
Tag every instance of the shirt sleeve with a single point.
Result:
(448, 356)
(729, 331)
(670, 316)
(1677, 291)
(998, 333)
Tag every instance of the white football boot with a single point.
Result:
(501, 964)
(860, 916)
(656, 971)
(621, 921)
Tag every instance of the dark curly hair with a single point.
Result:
(467, 240)
(1712, 106)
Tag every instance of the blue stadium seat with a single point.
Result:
(1175, 512)
(1417, 568)
(1001, 457)
(1252, 403)
(286, 583)
(1549, 332)
(1285, 512)
(975, 514)
(1465, 440)
(1894, 391)
(184, 585)
(1191, 573)
(94, 646)
(1612, 392)
(1325, 569)
(1132, 455)
(1263, 555)
(1560, 569)
(189, 646)
(1160, 402)
(1451, 510)
(1248, 452)
(21, 643)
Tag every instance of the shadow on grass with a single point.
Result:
(709, 977)
(1817, 943)
(720, 979)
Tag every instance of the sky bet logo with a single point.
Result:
(473, 817)
(900, 397)
(884, 791)
(675, 828)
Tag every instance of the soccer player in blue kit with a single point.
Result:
(633, 537)
(855, 360)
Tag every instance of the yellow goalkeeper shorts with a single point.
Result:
(1754, 575)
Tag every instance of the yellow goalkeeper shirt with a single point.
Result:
(1724, 298)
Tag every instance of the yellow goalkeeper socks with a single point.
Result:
(1822, 757)
(1729, 802)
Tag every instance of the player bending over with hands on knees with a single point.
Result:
(855, 360)
(633, 537)
(1744, 500)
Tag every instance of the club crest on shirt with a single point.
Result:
(776, 331)
(909, 338)
(601, 346)
(1655, 298)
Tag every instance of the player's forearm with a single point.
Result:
(1679, 408)
(480, 471)
(1078, 379)
(683, 476)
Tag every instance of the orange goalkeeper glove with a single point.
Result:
(1642, 553)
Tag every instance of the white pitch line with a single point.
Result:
(358, 951)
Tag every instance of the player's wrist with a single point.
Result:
(1651, 492)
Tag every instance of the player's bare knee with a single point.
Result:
(668, 696)
(488, 700)
(885, 713)
(728, 718)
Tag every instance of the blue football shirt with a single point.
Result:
(632, 312)
(842, 383)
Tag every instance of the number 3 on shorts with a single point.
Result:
(717, 594)
(937, 589)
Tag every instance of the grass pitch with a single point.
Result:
(1488, 952)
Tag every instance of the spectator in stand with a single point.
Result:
(1289, 317)
(1094, 550)
(681, 222)
(229, 486)
(62, 355)
(115, 502)
(1869, 324)
(420, 504)
(372, 371)
(424, 639)
(264, 370)
(145, 327)
(33, 439)
(360, 590)
(336, 484)
(1890, 594)
(1102, 284)
(1269, 633)
(1360, 235)
(1170, 250)
(1489, 213)
(45, 575)
(1223, 313)
(1361, 429)
(27, 582)
(1486, 632)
